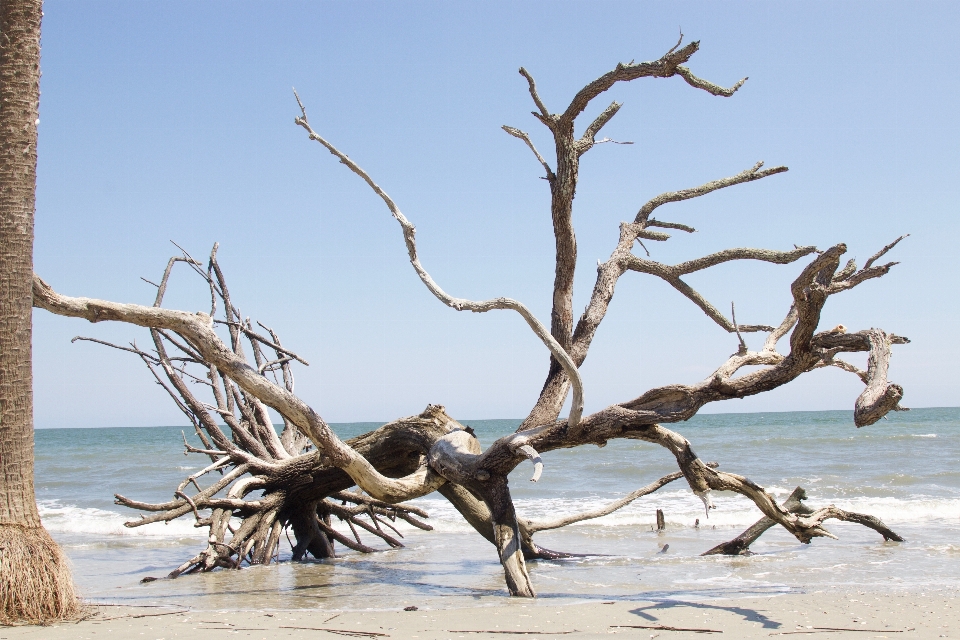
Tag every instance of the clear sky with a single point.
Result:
(174, 121)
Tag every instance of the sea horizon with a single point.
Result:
(902, 470)
(468, 420)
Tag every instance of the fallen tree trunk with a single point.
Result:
(303, 472)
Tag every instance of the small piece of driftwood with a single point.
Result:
(660, 627)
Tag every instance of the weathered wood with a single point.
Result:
(794, 504)
(741, 544)
(534, 527)
(879, 397)
(304, 472)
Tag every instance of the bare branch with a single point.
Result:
(554, 390)
(749, 175)
(727, 255)
(656, 236)
(177, 508)
(563, 189)
(622, 259)
(191, 414)
(272, 364)
(679, 42)
(588, 139)
(191, 353)
(702, 480)
(882, 252)
(140, 353)
(611, 141)
(741, 544)
(262, 340)
(208, 451)
(190, 260)
(347, 542)
(665, 67)
(850, 277)
(860, 276)
(544, 115)
(846, 366)
(791, 319)
(367, 501)
(461, 304)
(671, 274)
(214, 291)
(534, 527)
(522, 135)
(196, 410)
(733, 318)
(162, 287)
(197, 329)
(847, 271)
(709, 87)
(670, 225)
(150, 361)
(192, 504)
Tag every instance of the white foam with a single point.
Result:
(683, 508)
(60, 518)
(894, 510)
(680, 507)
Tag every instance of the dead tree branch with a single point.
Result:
(794, 504)
(534, 527)
(299, 479)
(460, 304)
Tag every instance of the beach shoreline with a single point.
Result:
(831, 613)
(654, 578)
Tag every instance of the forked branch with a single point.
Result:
(300, 479)
(460, 304)
(794, 504)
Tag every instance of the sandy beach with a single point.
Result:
(655, 581)
(828, 614)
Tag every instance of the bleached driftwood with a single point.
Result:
(740, 546)
(305, 471)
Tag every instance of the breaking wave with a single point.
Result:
(61, 518)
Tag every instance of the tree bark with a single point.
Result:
(740, 546)
(302, 488)
(35, 583)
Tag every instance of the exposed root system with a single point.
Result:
(35, 582)
(221, 368)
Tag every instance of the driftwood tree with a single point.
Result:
(304, 473)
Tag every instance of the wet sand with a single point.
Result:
(827, 614)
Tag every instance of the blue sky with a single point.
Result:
(174, 121)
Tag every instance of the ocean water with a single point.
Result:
(903, 470)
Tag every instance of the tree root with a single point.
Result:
(257, 539)
(301, 474)
(35, 583)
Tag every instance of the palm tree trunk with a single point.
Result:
(35, 583)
